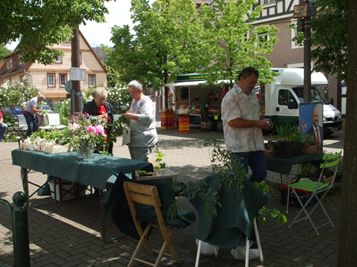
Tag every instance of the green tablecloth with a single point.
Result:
(234, 220)
(94, 171)
(284, 166)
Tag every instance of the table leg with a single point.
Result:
(288, 195)
(103, 221)
(25, 183)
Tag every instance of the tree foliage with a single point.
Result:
(160, 46)
(329, 37)
(231, 41)
(16, 93)
(4, 52)
(172, 37)
(40, 24)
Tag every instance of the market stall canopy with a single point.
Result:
(194, 83)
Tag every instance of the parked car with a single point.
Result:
(13, 110)
(45, 107)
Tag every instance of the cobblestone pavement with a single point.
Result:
(67, 233)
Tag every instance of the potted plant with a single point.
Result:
(289, 141)
(230, 178)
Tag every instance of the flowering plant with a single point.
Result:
(87, 133)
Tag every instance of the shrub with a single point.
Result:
(119, 98)
(16, 93)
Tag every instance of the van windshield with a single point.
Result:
(315, 94)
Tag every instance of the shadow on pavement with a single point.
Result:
(194, 133)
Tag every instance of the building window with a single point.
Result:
(21, 61)
(62, 79)
(51, 80)
(9, 64)
(58, 60)
(268, 2)
(91, 80)
(294, 43)
(263, 37)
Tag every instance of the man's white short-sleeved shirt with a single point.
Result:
(31, 103)
(237, 104)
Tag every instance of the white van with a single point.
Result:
(283, 96)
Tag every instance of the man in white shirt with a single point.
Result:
(31, 111)
(243, 134)
(143, 135)
(242, 125)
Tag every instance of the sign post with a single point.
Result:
(303, 12)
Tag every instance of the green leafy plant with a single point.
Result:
(119, 98)
(64, 109)
(288, 133)
(231, 177)
(265, 213)
(116, 128)
(61, 137)
(159, 160)
(16, 93)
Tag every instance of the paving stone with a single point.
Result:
(67, 233)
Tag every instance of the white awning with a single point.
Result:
(193, 83)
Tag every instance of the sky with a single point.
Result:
(100, 33)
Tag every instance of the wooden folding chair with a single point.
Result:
(148, 195)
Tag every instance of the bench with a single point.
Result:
(53, 122)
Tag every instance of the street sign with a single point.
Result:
(77, 74)
(300, 11)
(68, 86)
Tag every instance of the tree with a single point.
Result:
(329, 44)
(347, 256)
(231, 41)
(40, 24)
(161, 45)
(171, 37)
(4, 52)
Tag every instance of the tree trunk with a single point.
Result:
(347, 255)
(338, 91)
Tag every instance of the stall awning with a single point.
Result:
(193, 83)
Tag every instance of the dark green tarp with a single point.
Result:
(234, 218)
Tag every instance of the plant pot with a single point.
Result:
(299, 149)
(285, 149)
(310, 148)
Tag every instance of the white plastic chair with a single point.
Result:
(53, 122)
(247, 246)
(22, 122)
